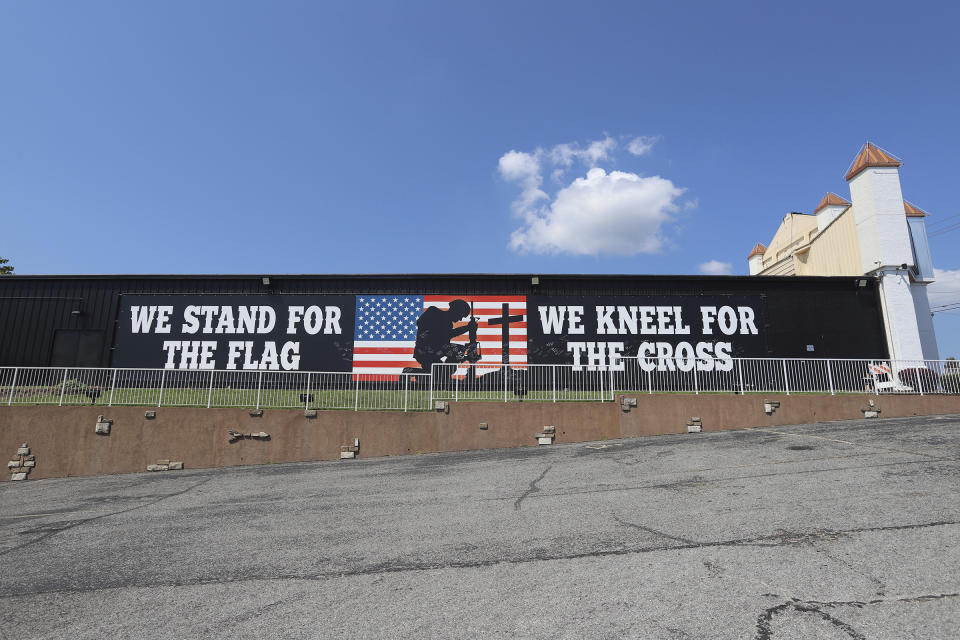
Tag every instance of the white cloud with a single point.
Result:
(642, 144)
(617, 212)
(565, 154)
(518, 165)
(716, 268)
(524, 169)
(946, 289)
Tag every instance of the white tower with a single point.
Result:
(829, 208)
(886, 251)
(755, 259)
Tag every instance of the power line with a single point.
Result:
(940, 222)
(940, 232)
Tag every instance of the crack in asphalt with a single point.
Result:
(859, 444)
(881, 585)
(700, 480)
(531, 489)
(769, 541)
(764, 627)
(70, 524)
(655, 532)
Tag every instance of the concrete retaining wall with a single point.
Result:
(64, 442)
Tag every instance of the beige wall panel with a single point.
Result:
(834, 252)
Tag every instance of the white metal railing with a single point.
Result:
(694, 375)
(789, 375)
(459, 382)
(539, 382)
(209, 388)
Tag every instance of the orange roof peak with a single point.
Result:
(831, 200)
(758, 250)
(912, 211)
(871, 156)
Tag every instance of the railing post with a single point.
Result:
(259, 387)
(210, 391)
(356, 395)
(919, 382)
(554, 368)
(63, 387)
(786, 382)
(601, 384)
(649, 383)
(406, 388)
(612, 396)
(743, 389)
(830, 377)
(113, 387)
(503, 368)
(163, 375)
(16, 370)
(696, 385)
(456, 387)
(433, 367)
(306, 399)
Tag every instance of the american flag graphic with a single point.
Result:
(386, 332)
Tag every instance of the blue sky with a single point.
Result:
(309, 137)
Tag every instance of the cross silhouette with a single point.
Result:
(505, 319)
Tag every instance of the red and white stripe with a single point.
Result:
(375, 359)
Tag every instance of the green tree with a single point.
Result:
(4, 267)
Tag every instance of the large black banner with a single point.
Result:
(407, 333)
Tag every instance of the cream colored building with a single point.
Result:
(876, 233)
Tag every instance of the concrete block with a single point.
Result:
(484, 426)
(175, 466)
(19, 470)
(442, 405)
(256, 413)
(870, 410)
(13, 463)
(263, 435)
(18, 476)
(157, 467)
(310, 413)
(549, 430)
(544, 440)
(628, 403)
(167, 462)
(23, 451)
(346, 455)
(29, 463)
(103, 428)
(694, 427)
(149, 415)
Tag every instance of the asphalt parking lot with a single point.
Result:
(832, 530)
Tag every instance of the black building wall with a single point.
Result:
(71, 320)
